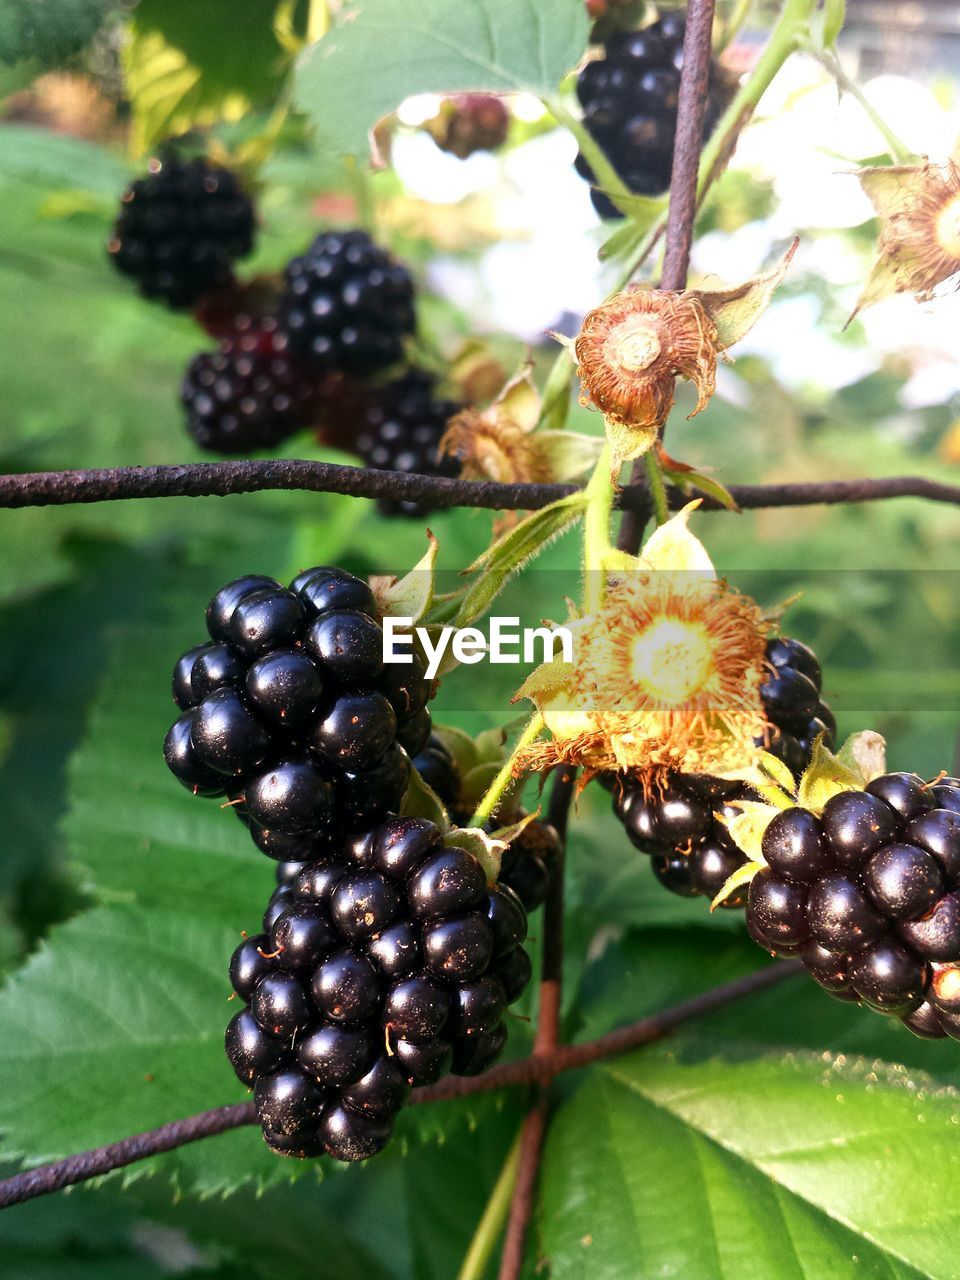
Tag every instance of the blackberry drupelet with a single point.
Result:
(629, 100)
(389, 963)
(180, 228)
(868, 895)
(400, 430)
(251, 393)
(290, 711)
(348, 306)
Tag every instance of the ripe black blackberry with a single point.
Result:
(180, 228)
(289, 710)
(386, 964)
(525, 867)
(795, 710)
(400, 430)
(692, 851)
(629, 101)
(347, 305)
(867, 893)
(251, 393)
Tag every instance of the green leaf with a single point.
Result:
(116, 1026)
(382, 52)
(48, 34)
(189, 65)
(754, 1162)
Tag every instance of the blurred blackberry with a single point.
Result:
(867, 894)
(250, 393)
(348, 305)
(180, 228)
(401, 429)
(290, 711)
(629, 101)
(389, 963)
(470, 122)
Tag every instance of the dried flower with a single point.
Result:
(632, 348)
(502, 443)
(666, 673)
(630, 351)
(919, 241)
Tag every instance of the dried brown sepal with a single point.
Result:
(918, 246)
(630, 352)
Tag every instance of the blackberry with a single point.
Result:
(795, 710)
(437, 767)
(875, 911)
(470, 122)
(676, 825)
(676, 822)
(384, 968)
(290, 709)
(629, 100)
(250, 393)
(347, 305)
(179, 229)
(400, 430)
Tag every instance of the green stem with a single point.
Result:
(491, 1225)
(556, 391)
(728, 31)
(898, 149)
(596, 530)
(318, 20)
(606, 176)
(502, 782)
(657, 488)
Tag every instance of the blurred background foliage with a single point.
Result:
(99, 599)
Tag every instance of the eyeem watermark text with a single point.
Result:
(506, 642)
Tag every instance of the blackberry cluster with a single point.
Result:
(250, 393)
(347, 305)
(629, 101)
(400, 430)
(383, 966)
(868, 896)
(525, 867)
(691, 850)
(180, 228)
(795, 711)
(289, 710)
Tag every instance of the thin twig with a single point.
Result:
(221, 479)
(678, 237)
(525, 1188)
(691, 108)
(82, 1167)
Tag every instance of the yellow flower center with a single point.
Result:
(635, 345)
(672, 660)
(948, 227)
